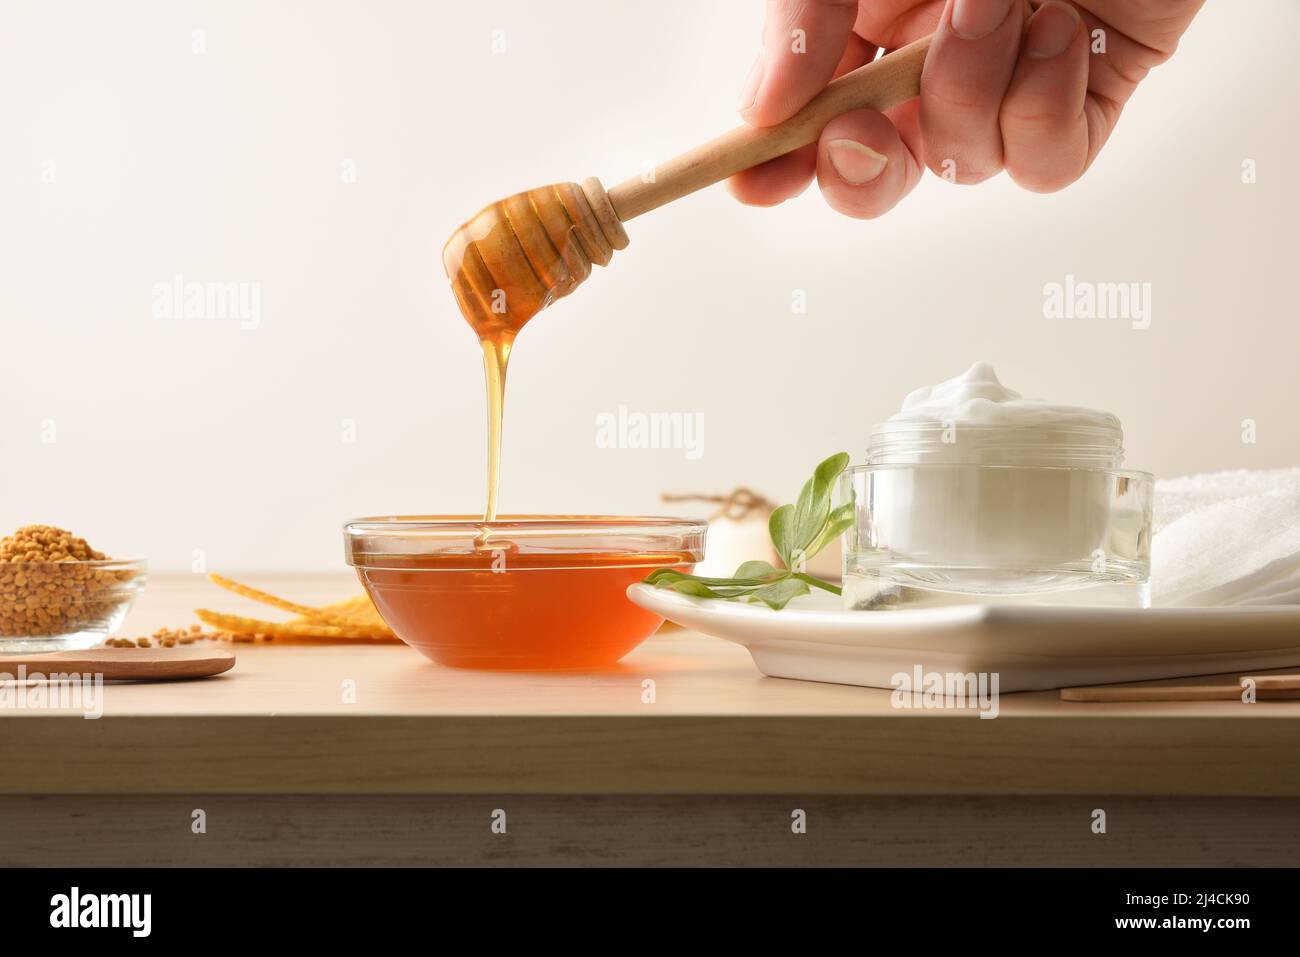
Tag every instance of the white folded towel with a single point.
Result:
(1227, 538)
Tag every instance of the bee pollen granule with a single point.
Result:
(47, 587)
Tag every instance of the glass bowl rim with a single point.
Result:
(136, 564)
(374, 542)
(577, 524)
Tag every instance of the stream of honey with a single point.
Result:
(508, 263)
(496, 357)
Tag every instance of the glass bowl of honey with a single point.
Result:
(522, 592)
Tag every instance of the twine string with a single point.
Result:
(736, 505)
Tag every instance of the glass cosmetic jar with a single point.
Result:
(528, 592)
(996, 514)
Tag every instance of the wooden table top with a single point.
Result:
(280, 722)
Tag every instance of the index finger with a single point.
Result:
(803, 41)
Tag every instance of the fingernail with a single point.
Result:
(856, 164)
(972, 19)
(1050, 30)
(753, 80)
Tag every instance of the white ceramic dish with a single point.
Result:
(1031, 648)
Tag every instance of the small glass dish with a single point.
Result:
(65, 606)
(956, 533)
(525, 592)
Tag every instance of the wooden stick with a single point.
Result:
(1275, 682)
(1267, 687)
(879, 85)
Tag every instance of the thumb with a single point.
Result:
(803, 41)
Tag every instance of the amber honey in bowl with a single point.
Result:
(521, 593)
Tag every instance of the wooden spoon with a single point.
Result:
(119, 664)
(520, 254)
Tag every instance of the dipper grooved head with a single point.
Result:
(519, 255)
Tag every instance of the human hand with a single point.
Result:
(1038, 99)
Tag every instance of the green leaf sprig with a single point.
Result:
(798, 531)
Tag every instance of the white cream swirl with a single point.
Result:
(976, 397)
(975, 418)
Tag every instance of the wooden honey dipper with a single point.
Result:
(519, 255)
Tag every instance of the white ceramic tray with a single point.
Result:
(1031, 648)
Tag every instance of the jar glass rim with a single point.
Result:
(935, 425)
(1135, 474)
(1064, 443)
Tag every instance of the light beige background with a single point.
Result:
(171, 436)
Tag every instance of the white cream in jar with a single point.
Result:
(974, 418)
(972, 492)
